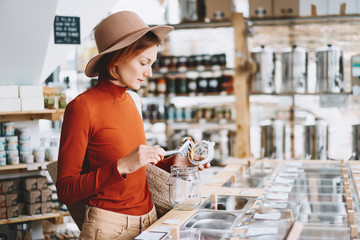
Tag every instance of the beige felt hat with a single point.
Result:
(118, 31)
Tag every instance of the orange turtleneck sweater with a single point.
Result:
(101, 126)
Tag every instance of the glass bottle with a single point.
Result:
(184, 187)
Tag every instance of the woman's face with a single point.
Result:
(133, 73)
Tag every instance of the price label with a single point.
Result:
(32, 167)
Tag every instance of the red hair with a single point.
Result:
(108, 63)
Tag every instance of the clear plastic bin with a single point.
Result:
(228, 203)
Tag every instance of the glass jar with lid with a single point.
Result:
(184, 187)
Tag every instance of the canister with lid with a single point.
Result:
(2, 158)
(8, 129)
(2, 144)
(316, 141)
(294, 70)
(273, 139)
(329, 69)
(356, 141)
(263, 80)
(11, 143)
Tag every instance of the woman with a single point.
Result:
(103, 149)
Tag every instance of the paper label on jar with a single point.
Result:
(258, 231)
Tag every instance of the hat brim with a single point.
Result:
(161, 32)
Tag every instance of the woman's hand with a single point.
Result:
(139, 157)
(178, 160)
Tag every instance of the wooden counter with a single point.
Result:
(214, 187)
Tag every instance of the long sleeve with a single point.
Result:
(101, 126)
(72, 184)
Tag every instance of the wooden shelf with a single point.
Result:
(204, 126)
(197, 25)
(28, 218)
(24, 167)
(295, 93)
(303, 20)
(173, 71)
(49, 114)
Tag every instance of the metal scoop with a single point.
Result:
(183, 150)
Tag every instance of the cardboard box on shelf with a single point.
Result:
(46, 207)
(29, 184)
(31, 91)
(11, 199)
(10, 91)
(300, 8)
(10, 105)
(12, 212)
(32, 196)
(284, 8)
(7, 186)
(34, 208)
(218, 10)
(343, 7)
(46, 195)
(261, 8)
(32, 103)
(22, 208)
(3, 213)
(2, 201)
(42, 182)
(17, 184)
(307, 7)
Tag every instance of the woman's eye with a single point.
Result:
(143, 64)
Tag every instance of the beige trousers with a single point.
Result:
(105, 225)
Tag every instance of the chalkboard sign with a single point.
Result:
(67, 30)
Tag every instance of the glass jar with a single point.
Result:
(184, 187)
(21, 231)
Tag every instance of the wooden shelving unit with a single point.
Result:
(304, 20)
(49, 114)
(193, 25)
(23, 167)
(28, 218)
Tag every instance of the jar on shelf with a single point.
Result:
(152, 85)
(180, 86)
(21, 231)
(170, 84)
(161, 86)
(8, 129)
(184, 187)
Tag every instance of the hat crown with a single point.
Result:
(116, 27)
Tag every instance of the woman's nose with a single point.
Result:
(148, 72)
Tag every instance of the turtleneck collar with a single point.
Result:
(110, 89)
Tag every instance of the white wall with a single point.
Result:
(25, 32)
(28, 53)
(91, 12)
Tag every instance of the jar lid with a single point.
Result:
(203, 152)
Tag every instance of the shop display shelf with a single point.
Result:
(23, 167)
(49, 114)
(28, 218)
(196, 25)
(304, 20)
